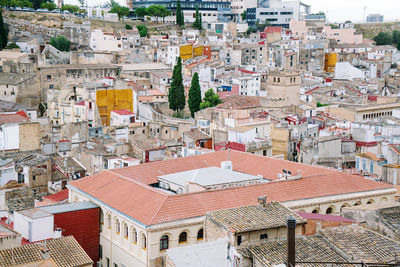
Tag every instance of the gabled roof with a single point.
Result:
(253, 218)
(150, 206)
(65, 251)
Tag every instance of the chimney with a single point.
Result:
(45, 253)
(291, 240)
(262, 201)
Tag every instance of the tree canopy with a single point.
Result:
(142, 30)
(211, 99)
(70, 8)
(121, 11)
(48, 5)
(383, 38)
(180, 19)
(61, 43)
(194, 95)
(141, 12)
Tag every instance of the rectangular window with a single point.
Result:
(263, 236)
(357, 163)
(21, 178)
(34, 177)
(107, 262)
(239, 240)
(100, 251)
(371, 166)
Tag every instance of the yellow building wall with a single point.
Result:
(186, 51)
(113, 99)
(280, 140)
(330, 62)
(198, 51)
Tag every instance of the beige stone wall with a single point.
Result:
(29, 136)
(341, 113)
(280, 140)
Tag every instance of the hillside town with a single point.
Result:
(197, 133)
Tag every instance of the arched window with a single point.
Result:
(370, 201)
(329, 210)
(357, 203)
(109, 221)
(134, 236)
(183, 237)
(279, 80)
(164, 242)
(315, 211)
(343, 206)
(144, 243)
(200, 234)
(274, 79)
(117, 227)
(126, 231)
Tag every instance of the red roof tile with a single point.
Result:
(150, 206)
(123, 112)
(59, 196)
(12, 118)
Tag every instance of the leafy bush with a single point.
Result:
(61, 43)
(142, 30)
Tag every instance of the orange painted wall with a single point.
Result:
(113, 99)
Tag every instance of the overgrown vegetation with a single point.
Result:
(211, 99)
(12, 46)
(387, 38)
(142, 30)
(128, 27)
(321, 105)
(61, 43)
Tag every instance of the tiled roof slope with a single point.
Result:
(253, 218)
(65, 251)
(242, 162)
(363, 244)
(124, 190)
(272, 253)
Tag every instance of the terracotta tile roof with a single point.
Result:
(324, 217)
(150, 206)
(272, 253)
(12, 118)
(253, 218)
(370, 156)
(123, 112)
(65, 251)
(362, 244)
(239, 102)
(59, 196)
(196, 134)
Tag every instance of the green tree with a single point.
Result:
(396, 37)
(348, 22)
(111, 4)
(3, 32)
(165, 13)
(176, 94)
(383, 38)
(194, 95)
(244, 15)
(142, 30)
(70, 8)
(12, 46)
(121, 11)
(37, 3)
(211, 99)
(180, 20)
(141, 12)
(49, 6)
(61, 43)
(156, 11)
(198, 21)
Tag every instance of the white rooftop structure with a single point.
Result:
(207, 178)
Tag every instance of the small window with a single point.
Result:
(34, 177)
(183, 237)
(200, 234)
(239, 240)
(34, 191)
(126, 231)
(263, 236)
(117, 227)
(134, 236)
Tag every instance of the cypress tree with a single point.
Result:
(3, 33)
(172, 90)
(194, 95)
(179, 18)
(180, 89)
(198, 21)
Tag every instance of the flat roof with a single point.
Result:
(207, 177)
(34, 213)
(67, 207)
